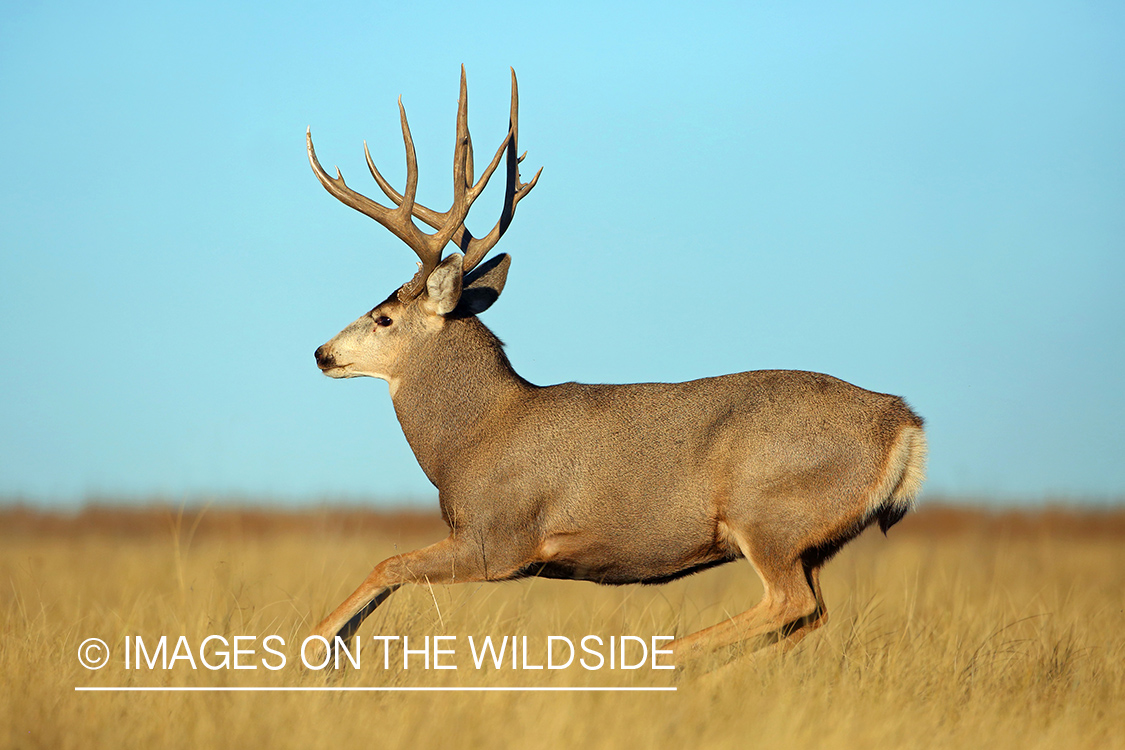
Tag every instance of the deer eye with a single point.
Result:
(383, 321)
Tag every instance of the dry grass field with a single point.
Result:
(962, 629)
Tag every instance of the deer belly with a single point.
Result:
(577, 557)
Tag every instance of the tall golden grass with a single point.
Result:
(962, 629)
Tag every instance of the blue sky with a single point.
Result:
(923, 200)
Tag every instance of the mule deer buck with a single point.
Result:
(615, 484)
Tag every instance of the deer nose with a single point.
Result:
(323, 358)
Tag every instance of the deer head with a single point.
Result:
(380, 342)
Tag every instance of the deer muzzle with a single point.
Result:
(325, 359)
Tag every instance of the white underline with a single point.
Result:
(373, 689)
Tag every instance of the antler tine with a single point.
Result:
(476, 249)
(407, 204)
(463, 103)
(431, 217)
(462, 196)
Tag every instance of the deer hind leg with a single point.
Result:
(795, 633)
(790, 604)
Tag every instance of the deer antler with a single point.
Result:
(476, 248)
(450, 225)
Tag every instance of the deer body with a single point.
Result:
(637, 483)
(634, 483)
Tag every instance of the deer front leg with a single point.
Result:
(452, 560)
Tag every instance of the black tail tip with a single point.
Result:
(890, 515)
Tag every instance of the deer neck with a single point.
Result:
(456, 387)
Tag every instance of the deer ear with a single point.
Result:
(482, 285)
(443, 287)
